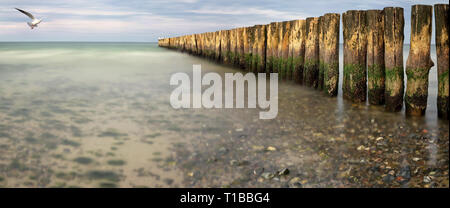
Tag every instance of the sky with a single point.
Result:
(147, 20)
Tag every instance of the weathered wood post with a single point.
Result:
(442, 52)
(322, 31)
(276, 49)
(311, 68)
(331, 53)
(193, 44)
(208, 45)
(260, 54)
(199, 44)
(217, 36)
(240, 48)
(284, 62)
(290, 61)
(233, 46)
(355, 55)
(255, 41)
(419, 60)
(393, 57)
(270, 46)
(250, 41)
(375, 56)
(297, 49)
(225, 46)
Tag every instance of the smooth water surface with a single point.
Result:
(98, 115)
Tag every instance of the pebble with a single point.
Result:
(283, 172)
(267, 175)
(270, 148)
(295, 183)
(427, 179)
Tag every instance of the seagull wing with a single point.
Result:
(26, 13)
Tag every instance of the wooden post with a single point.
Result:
(290, 61)
(240, 48)
(233, 47)
(331, 53)
(284, 62)
(355, 55)
(271, 46)
(311, 69)
(419, 60)
(225, 46)
(208, 45)
(322, 31)
(199, 44)
(276, 48)
(217, 37)
(393, 57)
(250, 41)
(193, 44)
(297, 49)
(375, 56)
(255, 41)
(259, 55)
(442, 51)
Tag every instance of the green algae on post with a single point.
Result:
(311, 67)
(394, 23)
(331, 22)
(419, 60)
(442, 51)
(375, 57)
(297, 49)
(355, 55)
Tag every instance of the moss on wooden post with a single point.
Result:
(311, 68)
(375, 57)
(419, 60)
(331, 53)
(355, 55)
(442, 51)
(297, 49)
(393, 57)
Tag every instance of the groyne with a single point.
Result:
(307, 52)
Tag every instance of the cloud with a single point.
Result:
(268, 13)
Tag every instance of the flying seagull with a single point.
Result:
(34, 22)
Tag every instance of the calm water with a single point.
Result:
(98, 115)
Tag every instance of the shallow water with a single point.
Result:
(98, 115)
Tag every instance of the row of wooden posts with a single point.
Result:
(307, 51)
